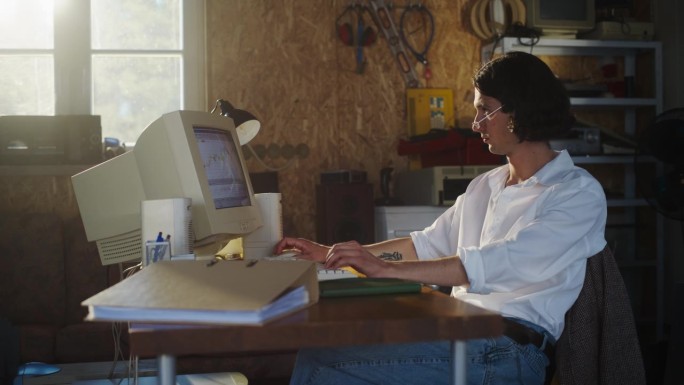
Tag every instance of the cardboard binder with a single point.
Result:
(191, 291)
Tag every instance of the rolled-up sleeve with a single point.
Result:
(524, 246)
(517, 236)
(565, 224)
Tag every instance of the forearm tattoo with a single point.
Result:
(394, 256)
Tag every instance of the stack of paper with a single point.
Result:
(227, 292)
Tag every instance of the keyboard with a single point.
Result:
(323, 273)
(328, 274)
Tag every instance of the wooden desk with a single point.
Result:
(383, 319)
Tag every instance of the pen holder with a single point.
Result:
(157, 251)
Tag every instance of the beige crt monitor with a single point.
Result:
(560, 18)
(182, 154)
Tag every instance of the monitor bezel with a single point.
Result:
(209, 223)
(110, 194)
(560, 25)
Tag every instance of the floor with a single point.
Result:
(106, 373)
(70, 373)
(96, 373)
(190, 379)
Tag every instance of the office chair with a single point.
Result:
(599, 344)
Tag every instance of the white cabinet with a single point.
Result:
(399, 221)
(634, 231)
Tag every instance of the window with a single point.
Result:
(26, 58)
(128, 61)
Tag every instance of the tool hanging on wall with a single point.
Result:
(427, 24)
(386, 24)
(353, 18)
(489, 19)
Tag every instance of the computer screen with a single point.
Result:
(560, 18)
(182, 154)
(225, 177)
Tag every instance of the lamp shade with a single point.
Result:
(246, 124)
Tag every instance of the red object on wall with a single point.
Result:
(457, 147)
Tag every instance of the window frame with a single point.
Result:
(72, 55)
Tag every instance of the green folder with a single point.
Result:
(347, 287)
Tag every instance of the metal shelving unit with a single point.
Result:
(629, 202)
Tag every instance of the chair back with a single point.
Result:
(599, 344)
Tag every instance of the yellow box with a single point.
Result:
(429, 108)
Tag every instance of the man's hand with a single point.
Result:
(354, 255)
(307, 249)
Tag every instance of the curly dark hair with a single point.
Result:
(527, 88)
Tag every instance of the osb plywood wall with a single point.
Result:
(38, 193)
(283, 61)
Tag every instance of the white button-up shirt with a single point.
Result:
(524, 247)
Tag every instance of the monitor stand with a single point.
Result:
(224, 249)
(255, 245)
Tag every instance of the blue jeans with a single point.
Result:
(490, 361)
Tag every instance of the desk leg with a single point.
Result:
(166, 367)
(459, 359)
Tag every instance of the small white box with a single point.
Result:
(436, 186)
(399, 221)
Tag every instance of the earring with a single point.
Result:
(511, 125)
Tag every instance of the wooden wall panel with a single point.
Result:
(38, 193)
(282, 61)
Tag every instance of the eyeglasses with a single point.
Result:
(488, 116)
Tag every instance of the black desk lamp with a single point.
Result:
(246, 124)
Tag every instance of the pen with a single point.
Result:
(158, 250)
(212, 262)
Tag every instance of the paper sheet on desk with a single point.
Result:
(227, 292)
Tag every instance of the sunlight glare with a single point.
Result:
(26, 23)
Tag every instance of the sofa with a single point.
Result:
(48, 268)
